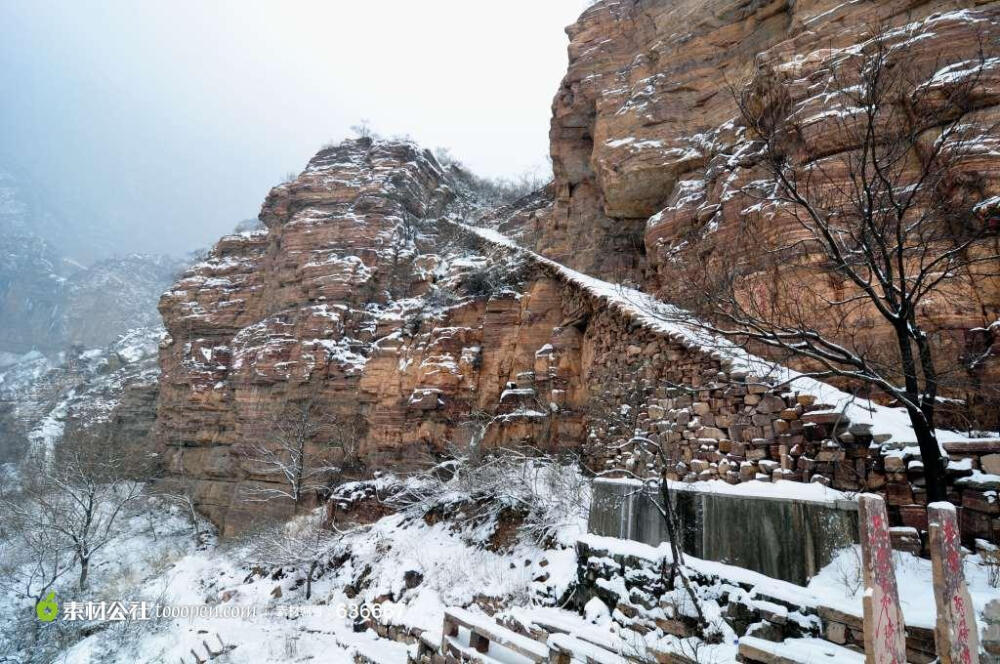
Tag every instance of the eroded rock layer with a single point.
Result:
(363, 301)
(651, 157)
(357, 303)
(441, 336)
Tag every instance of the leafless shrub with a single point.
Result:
(481, 282)
(184, 499)
(363, 129)
(301, 543)
(552, 492)
(494, 277)
(493, 191)
(849, 573)
(73, 498)
(302, 453)
(32, 560)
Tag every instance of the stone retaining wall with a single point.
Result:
(785, 538)
(632, 585)
(607, 367)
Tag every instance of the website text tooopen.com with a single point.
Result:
(129, 611)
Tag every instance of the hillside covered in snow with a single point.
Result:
(412, 415)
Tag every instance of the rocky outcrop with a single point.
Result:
(360, 299)
(358, 303)
(646, 380)
(646, 80)
(650, 158)
(523, 220)
(647, 102)
(42, 400)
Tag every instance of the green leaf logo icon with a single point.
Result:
(47, 609)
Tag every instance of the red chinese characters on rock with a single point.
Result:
(885, 635)
(955, 633)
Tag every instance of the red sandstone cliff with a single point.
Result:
(651, 157)
(361, 299)
(356, 301)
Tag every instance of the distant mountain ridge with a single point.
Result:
(49, 299)
(28, 209)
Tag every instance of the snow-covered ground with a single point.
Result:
(153, 538)
(443, 545)
(839, 585)
(441, 551)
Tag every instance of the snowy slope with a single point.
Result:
(408, 564)
(38, 396)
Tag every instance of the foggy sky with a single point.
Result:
(168, 122)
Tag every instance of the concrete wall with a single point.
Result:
(780, 537)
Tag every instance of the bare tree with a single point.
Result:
(185, 500)
(301, 543)
(658, 493)
(896, 214)
(74, 500)
(32, 559)
(302, 454)
(345, 435)
(364, 129)
(616, 421)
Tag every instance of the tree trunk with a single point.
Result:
(309, 578)
(922, 420)
(194, 521)
(930, 455)
(329, 514)
(676, 546)
(84, 572)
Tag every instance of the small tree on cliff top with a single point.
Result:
(898, 216)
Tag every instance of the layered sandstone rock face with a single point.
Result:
(361, 299)
(366, 298)
(651, 158)
(646, 79)
(358, 303)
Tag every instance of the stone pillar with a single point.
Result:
(885, 636)
(991, 634)
(955, 634)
